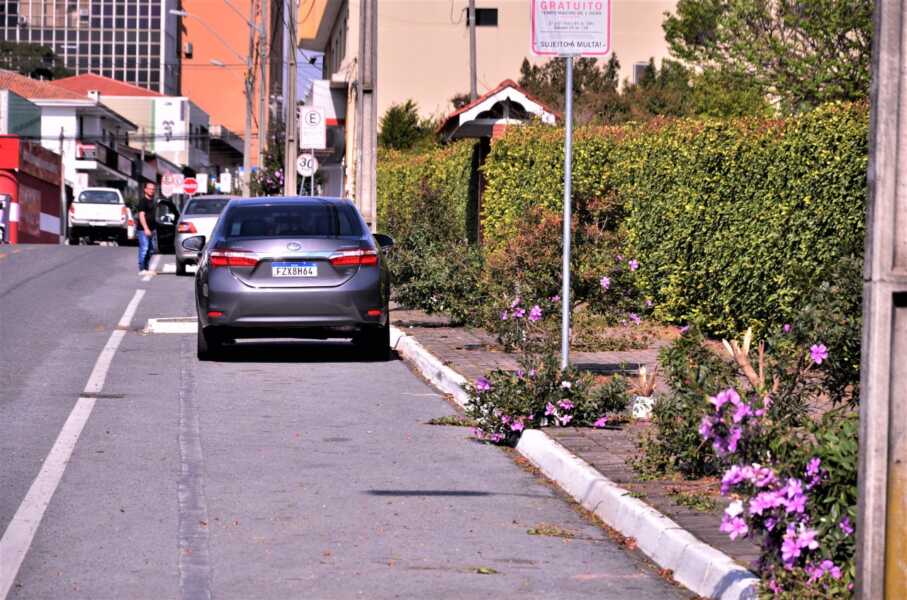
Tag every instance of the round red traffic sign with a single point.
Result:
(190, 185)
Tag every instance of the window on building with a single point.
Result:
(639, 71)
(485, 17)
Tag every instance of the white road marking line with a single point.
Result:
(21, 530)
(155, 260)
(172, 325)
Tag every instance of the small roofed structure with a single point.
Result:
(490, 114)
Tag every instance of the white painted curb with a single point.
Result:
(440, 375)
(699, 567)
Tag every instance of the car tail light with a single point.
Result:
(72, 209)
(215, 313)
(374, 312)
(233, 258)
(186, 228)
(124, 214)
(352, 257)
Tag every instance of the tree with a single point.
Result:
(32, 60)
(548, 81)
(402, 129)
(802, 53)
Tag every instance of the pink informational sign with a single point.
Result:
(571, 27)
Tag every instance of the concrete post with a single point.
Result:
(367, 123)
(882, 511)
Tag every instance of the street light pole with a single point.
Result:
(248, 86)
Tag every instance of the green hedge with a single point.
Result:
(405, 178)
(733, 222)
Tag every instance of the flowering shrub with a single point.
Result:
(617, 296)
(521, 326)
(540, 394)
(792, 478)
(802, 507)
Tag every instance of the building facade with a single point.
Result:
(423, 47)
(215, 49)
(171, 126)
(136, 41)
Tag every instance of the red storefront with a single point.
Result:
(30, 180)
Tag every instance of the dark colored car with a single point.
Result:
(296, 267)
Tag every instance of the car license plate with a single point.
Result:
(294, 269)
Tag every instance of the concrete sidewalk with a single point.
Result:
(594, 463)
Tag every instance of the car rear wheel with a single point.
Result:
(180, 268)
(375, 343)
(209, 343)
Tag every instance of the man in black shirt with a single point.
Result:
(145, 226)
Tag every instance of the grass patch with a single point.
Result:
(453, 421)
(549, 530)
(696, 501)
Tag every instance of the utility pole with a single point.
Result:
(292, 127)
(473, 94)
(250, 88)
(263, 48)
(289, 170)
(882, 493)
(64, 213)
(367, 123)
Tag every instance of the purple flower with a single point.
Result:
(519, 313)
(505, 419)
(728, 395)
(734, 526)
(504, 315)
(535, 314)
(818, 352)
(846, 526)
(732, 439)
(605, 283)
(496, 437)
(565, 419)
(565, 404)
(517, 425)
(787, 328)
(619, 257)
(705, 429)
(633, 264)
(743, 410)
(763, 501)
(790, 549)
(482, 385)
(812, 467)
(520, 373)
(770, 523)
(555, 299)
(531, 373)
(763, 476)
(516, 302)
(649, 303)
(807, 538)
(828, 567)
(550, 409)
(635, 318)
(600, 422)
(684, 329)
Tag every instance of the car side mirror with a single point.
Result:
(194, 244)
(385, 241)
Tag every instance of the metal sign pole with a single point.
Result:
(568, 176)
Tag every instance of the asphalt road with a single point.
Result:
(287, 470)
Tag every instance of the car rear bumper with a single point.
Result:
(344, 307)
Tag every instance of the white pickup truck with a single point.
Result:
(100, 214)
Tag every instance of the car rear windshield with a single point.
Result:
(299, 220)
(98, 197)
(210, 206)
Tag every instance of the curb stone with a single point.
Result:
(697, 566)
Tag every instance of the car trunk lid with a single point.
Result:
(292, 262)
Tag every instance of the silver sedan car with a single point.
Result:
(294, 267)
(198, 218)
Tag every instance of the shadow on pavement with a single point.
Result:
(294, 351)
(447, 493)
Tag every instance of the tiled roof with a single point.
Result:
(86, 82)
(34, 89)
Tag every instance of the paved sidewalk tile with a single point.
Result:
(473, 352)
